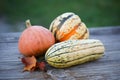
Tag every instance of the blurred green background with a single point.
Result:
(94, 13)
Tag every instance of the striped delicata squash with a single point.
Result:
(73, 52)
(68, 26)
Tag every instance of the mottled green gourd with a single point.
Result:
(73, 52)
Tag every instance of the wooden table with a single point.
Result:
(106, 68)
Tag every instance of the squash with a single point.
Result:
(73, 52)
(68, 26)
(35, 40)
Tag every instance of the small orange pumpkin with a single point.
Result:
(68, 26)
(35, 40)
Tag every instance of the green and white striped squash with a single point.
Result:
(73, 52)
(68, 26)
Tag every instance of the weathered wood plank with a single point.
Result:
(105, 31)
(13, 37)
(9, 37)
(106, 68)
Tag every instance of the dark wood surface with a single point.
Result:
(106, 68)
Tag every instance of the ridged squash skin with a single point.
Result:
(35, 40)
(73, 52)
(68, 26)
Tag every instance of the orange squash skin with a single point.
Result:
(35, 40)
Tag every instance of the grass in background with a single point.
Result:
(94, 13)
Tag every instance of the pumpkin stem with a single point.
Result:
(28, 24)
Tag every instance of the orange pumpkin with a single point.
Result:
(35, 40)
(68, 26)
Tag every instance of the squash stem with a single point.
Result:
(28, 24)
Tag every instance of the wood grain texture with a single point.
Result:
(106, 68)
